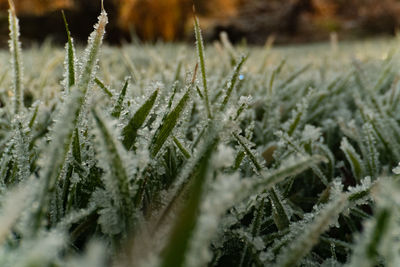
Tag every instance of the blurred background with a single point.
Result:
(253, 21)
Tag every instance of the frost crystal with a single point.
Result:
(224, 156)
(311, 133)
(396, 170)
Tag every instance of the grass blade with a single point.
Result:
(70, 58)
(116, 112)
(353, 158)
(289, 168)
(183, 150)
(292, 77)
(274, 74)
(174, 252)
(119, 186)
(280, 215)
(169, 123)
(16, 60)
(372, 154)
(200, 52)
(232, 82)
(129, 132)
(241, 140)
(103, 87)
(177, 71)
(76, 147)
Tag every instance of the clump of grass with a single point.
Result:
(284, 165)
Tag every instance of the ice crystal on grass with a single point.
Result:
(21, 150)
(223, 157)
(311, 133)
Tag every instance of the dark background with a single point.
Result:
(287, 21)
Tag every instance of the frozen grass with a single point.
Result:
(178, 155)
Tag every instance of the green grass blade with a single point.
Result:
(233, 82)
(116, 112)
(58, 150)
(169, 123)
(274, 74)
(178, 243)
(238, 159)
(372, 154)
(298, 117)
(103, 87)
(199, 93)
(16, 58)
(279, 214)
(70, 57)
(240, 110)
(181, 184)
(292, 77)
(200, 52)
(76, 147)
(172, 97)
(33, 118)
(90, 56)
(129, 132)
(353, 158)
(119, 176)
(181, 148)
(178, 71)
(289, 168)
(21, 150)
(242, 142)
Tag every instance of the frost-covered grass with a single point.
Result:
(176, 155)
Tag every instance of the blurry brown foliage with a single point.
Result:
(150, 19)
(37, 7)
(255, 20)
(311, 20)
(153, 18)
(167, 19)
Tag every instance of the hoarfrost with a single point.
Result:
(224, 156)
(396, 170)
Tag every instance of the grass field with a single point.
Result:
(179, 155)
